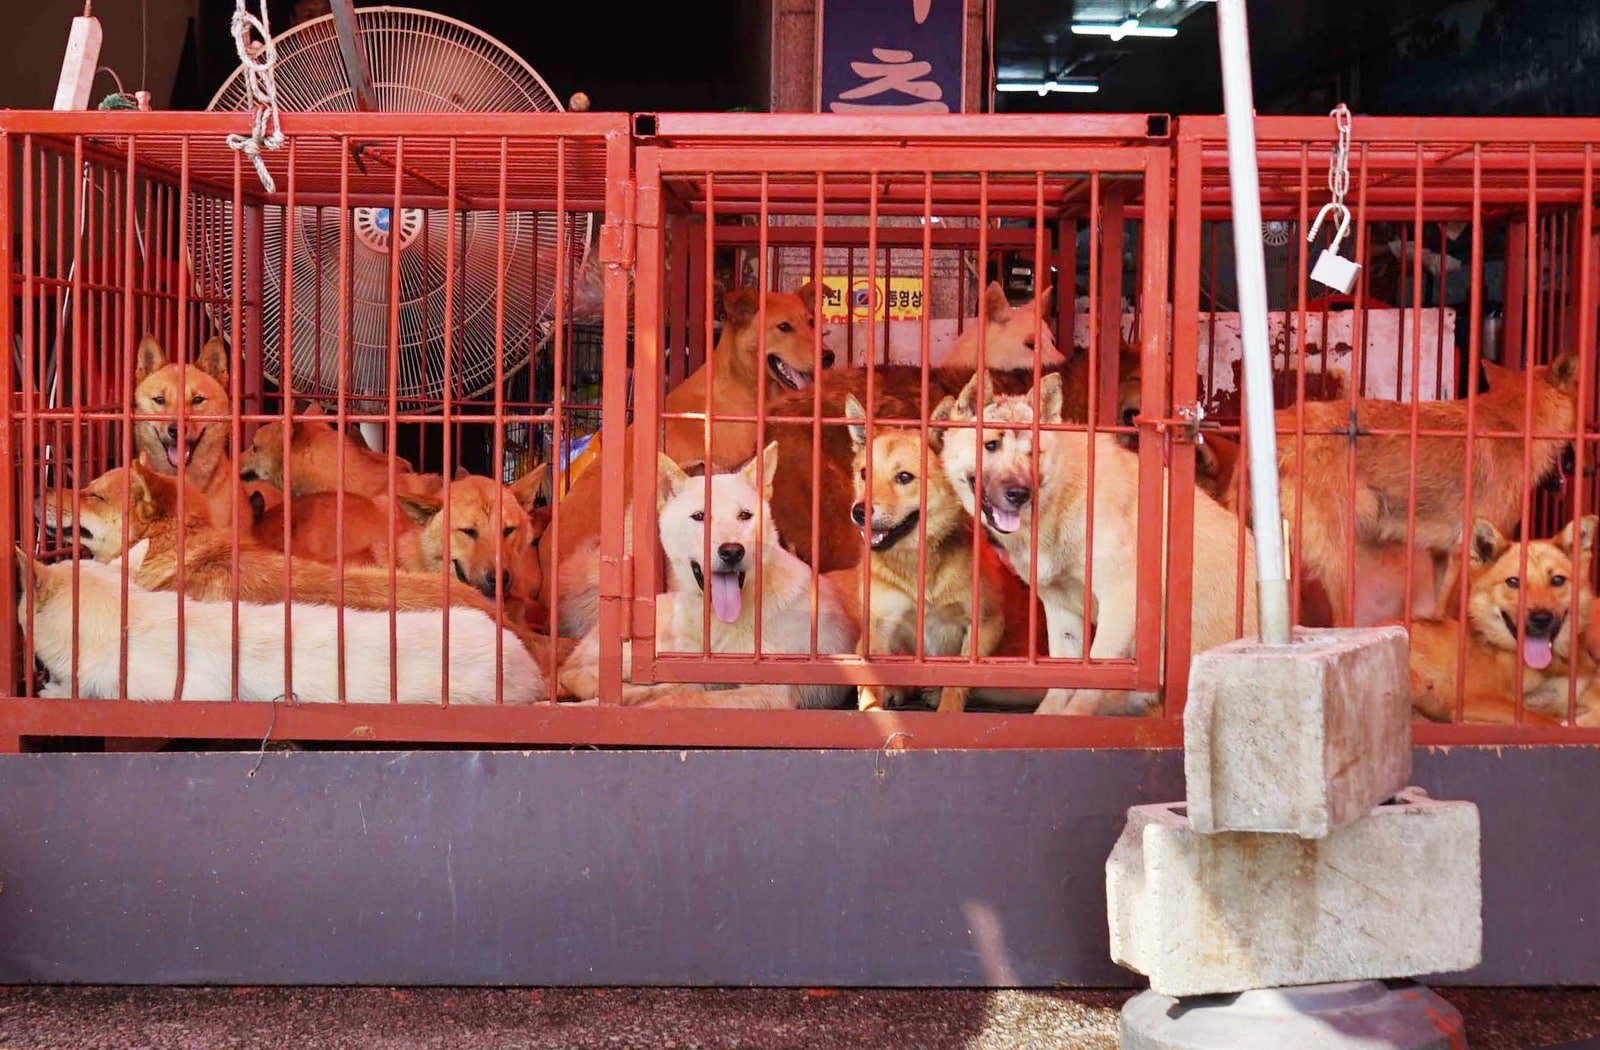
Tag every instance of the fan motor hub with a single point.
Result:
(375, 227)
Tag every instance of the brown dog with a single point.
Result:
(1012, 339)
(203, 447)
(487, 521)
(1313, 471)
(315, 450)
(1548, 591)
(356, 534)
(733, 374)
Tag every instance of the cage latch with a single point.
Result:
(1185, 428)
(616, 238)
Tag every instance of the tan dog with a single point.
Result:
(490, 525)
(1551, 595)
(146, 504)
(1012, 339)
(912, 508)
(1316, 473)
(315, 449)
(734, 373)
(1009, 504)
(203, 447)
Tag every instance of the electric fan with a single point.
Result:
(417, 62)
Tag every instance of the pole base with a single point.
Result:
(1396, 1015)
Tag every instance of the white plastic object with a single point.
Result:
(79, 64)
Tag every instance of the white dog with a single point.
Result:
(728, 576)
(152, 632)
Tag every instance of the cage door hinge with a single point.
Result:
(616, 585)
(616, 238)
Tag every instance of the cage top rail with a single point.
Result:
(542, 155)
(977, 130)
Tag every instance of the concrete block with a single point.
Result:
(1396, 894)
(1299, 738)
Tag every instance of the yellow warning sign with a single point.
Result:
(845, 299)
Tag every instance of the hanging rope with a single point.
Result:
(258, 59)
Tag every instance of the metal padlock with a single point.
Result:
(1332, 269)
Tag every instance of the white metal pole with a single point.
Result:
(1233, 34)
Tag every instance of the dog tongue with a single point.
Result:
(1536, 653)
(172, 454)
(1005, 519)
(727, 597)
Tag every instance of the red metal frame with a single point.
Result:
(651, 194)
(1534, 177)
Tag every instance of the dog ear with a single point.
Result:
(858, 432)
(311, 408)
(1487, 543)
(1563, 373)
(1585, 530)
(527, 488)
(973, 396)
(213, 360)
(808, 297)
(741, 306)
(1050, 397)
(28, 565)
(768, 461)
(419, 507)
(1046, 297)
(538, 522)
(670, 479)
(258, 507)
(151, 358)
(996, 303)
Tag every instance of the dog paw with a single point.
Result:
(1056, 702)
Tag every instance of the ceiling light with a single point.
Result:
(1117, 31)
(1076, 86)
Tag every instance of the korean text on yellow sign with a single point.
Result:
(845, 300)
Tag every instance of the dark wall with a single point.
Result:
(667, 867)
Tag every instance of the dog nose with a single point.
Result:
(731, 553)
(858, 513)
(1018, 497)
(1541, 621)
(827, 359)
(172, 431)
(1128, 415)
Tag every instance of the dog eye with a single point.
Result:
(508, 530)
(470, 534)
(992, 446)
(863, 473)
(904, 478)
(1513, 582)
(196, 400)
(1558, 580)
(745, 515)
(785, 327)
(698, 515)
(159, 399)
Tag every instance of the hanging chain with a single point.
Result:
(1338, 174)
(258, 59)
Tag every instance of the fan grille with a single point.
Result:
(418, 62)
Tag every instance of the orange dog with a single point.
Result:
(315, 449)
(1315, 473)
(203, 447)
(1497, 584)
(487, 522)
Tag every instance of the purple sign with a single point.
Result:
(891, 56)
